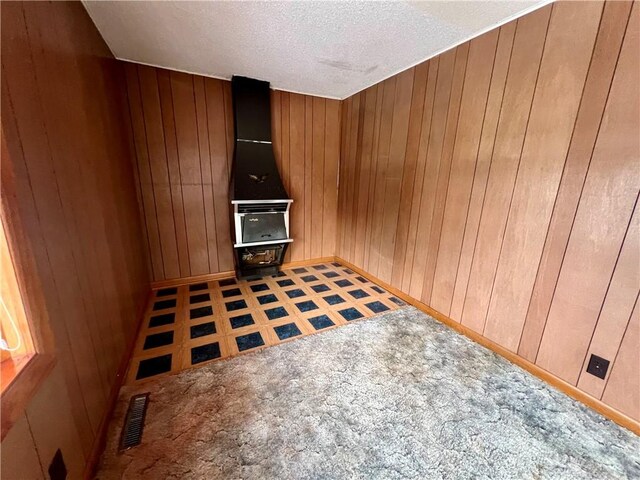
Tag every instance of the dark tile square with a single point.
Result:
(232, 292)
(160, 320)
(295, 293)
(309, 278)
(377, 307)
(286, 283)
(250, 340)
(397, 301)
(203, 329)
(275, 313)
(235, 305)
(377, 289)
(260, 287)
(264, 299)
(344, 283)
(299, 270)
(154, 366)
(336, 264)
(361, 279)
(320, 267)
(279, 274)
(204, 297)
(241, 321)
(320, 288)
(350, 314)
(359, 293)
(162, 304)
(206, 352)
(306, 306)
(331, 274)
(158, 340)
(321, 321)
(200, 312)
(197, 287)
(333, 299)
(287, 331)
(163, 292)
(348, 271)
(226, 282)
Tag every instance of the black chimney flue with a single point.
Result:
(260, 202)
(255, 174)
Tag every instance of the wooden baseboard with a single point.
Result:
(568, 389)
(208, 277)
(100, 439)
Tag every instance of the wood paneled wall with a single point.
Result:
(67, 179)
(498, 183)
(183, 130)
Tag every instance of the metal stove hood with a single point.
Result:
(255, 174)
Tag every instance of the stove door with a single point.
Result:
(263, 227)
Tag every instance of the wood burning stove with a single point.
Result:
(260, 203)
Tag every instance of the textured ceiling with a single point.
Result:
(331, 49)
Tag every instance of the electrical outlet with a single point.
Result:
(598, 366)
(57, 468)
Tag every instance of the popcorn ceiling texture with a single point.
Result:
(396, 396)
(329, 49)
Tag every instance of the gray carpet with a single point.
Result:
(396, 396)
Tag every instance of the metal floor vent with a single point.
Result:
(134, 422)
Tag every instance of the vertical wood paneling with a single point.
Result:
(173, 166)
(594, 97)
(416, 196)
(184, 108)
(144, 173)
(453, 115)
(205, 170)
(616, 310)
(67, 130)
(217, 125)
(331, 166)
(374, 170)
(183, 131)
(308, 175)
(514, 115)
(393, 179)
(483, 163)
(297, 191)
(382, 162)
(608, 199)
(348, 179)
(409, 170)
(361, 199)
(568, 48)
(473, 106)
(622, 389)
(159, 174)
(432, 169)
(19, 454)
(499, 135)
(317, 186)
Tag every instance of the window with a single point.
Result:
(26, 353)
(16, 342)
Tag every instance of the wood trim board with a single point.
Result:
(230, 273)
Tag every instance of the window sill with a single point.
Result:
(20, 380)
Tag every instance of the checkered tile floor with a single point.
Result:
(192, 325)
